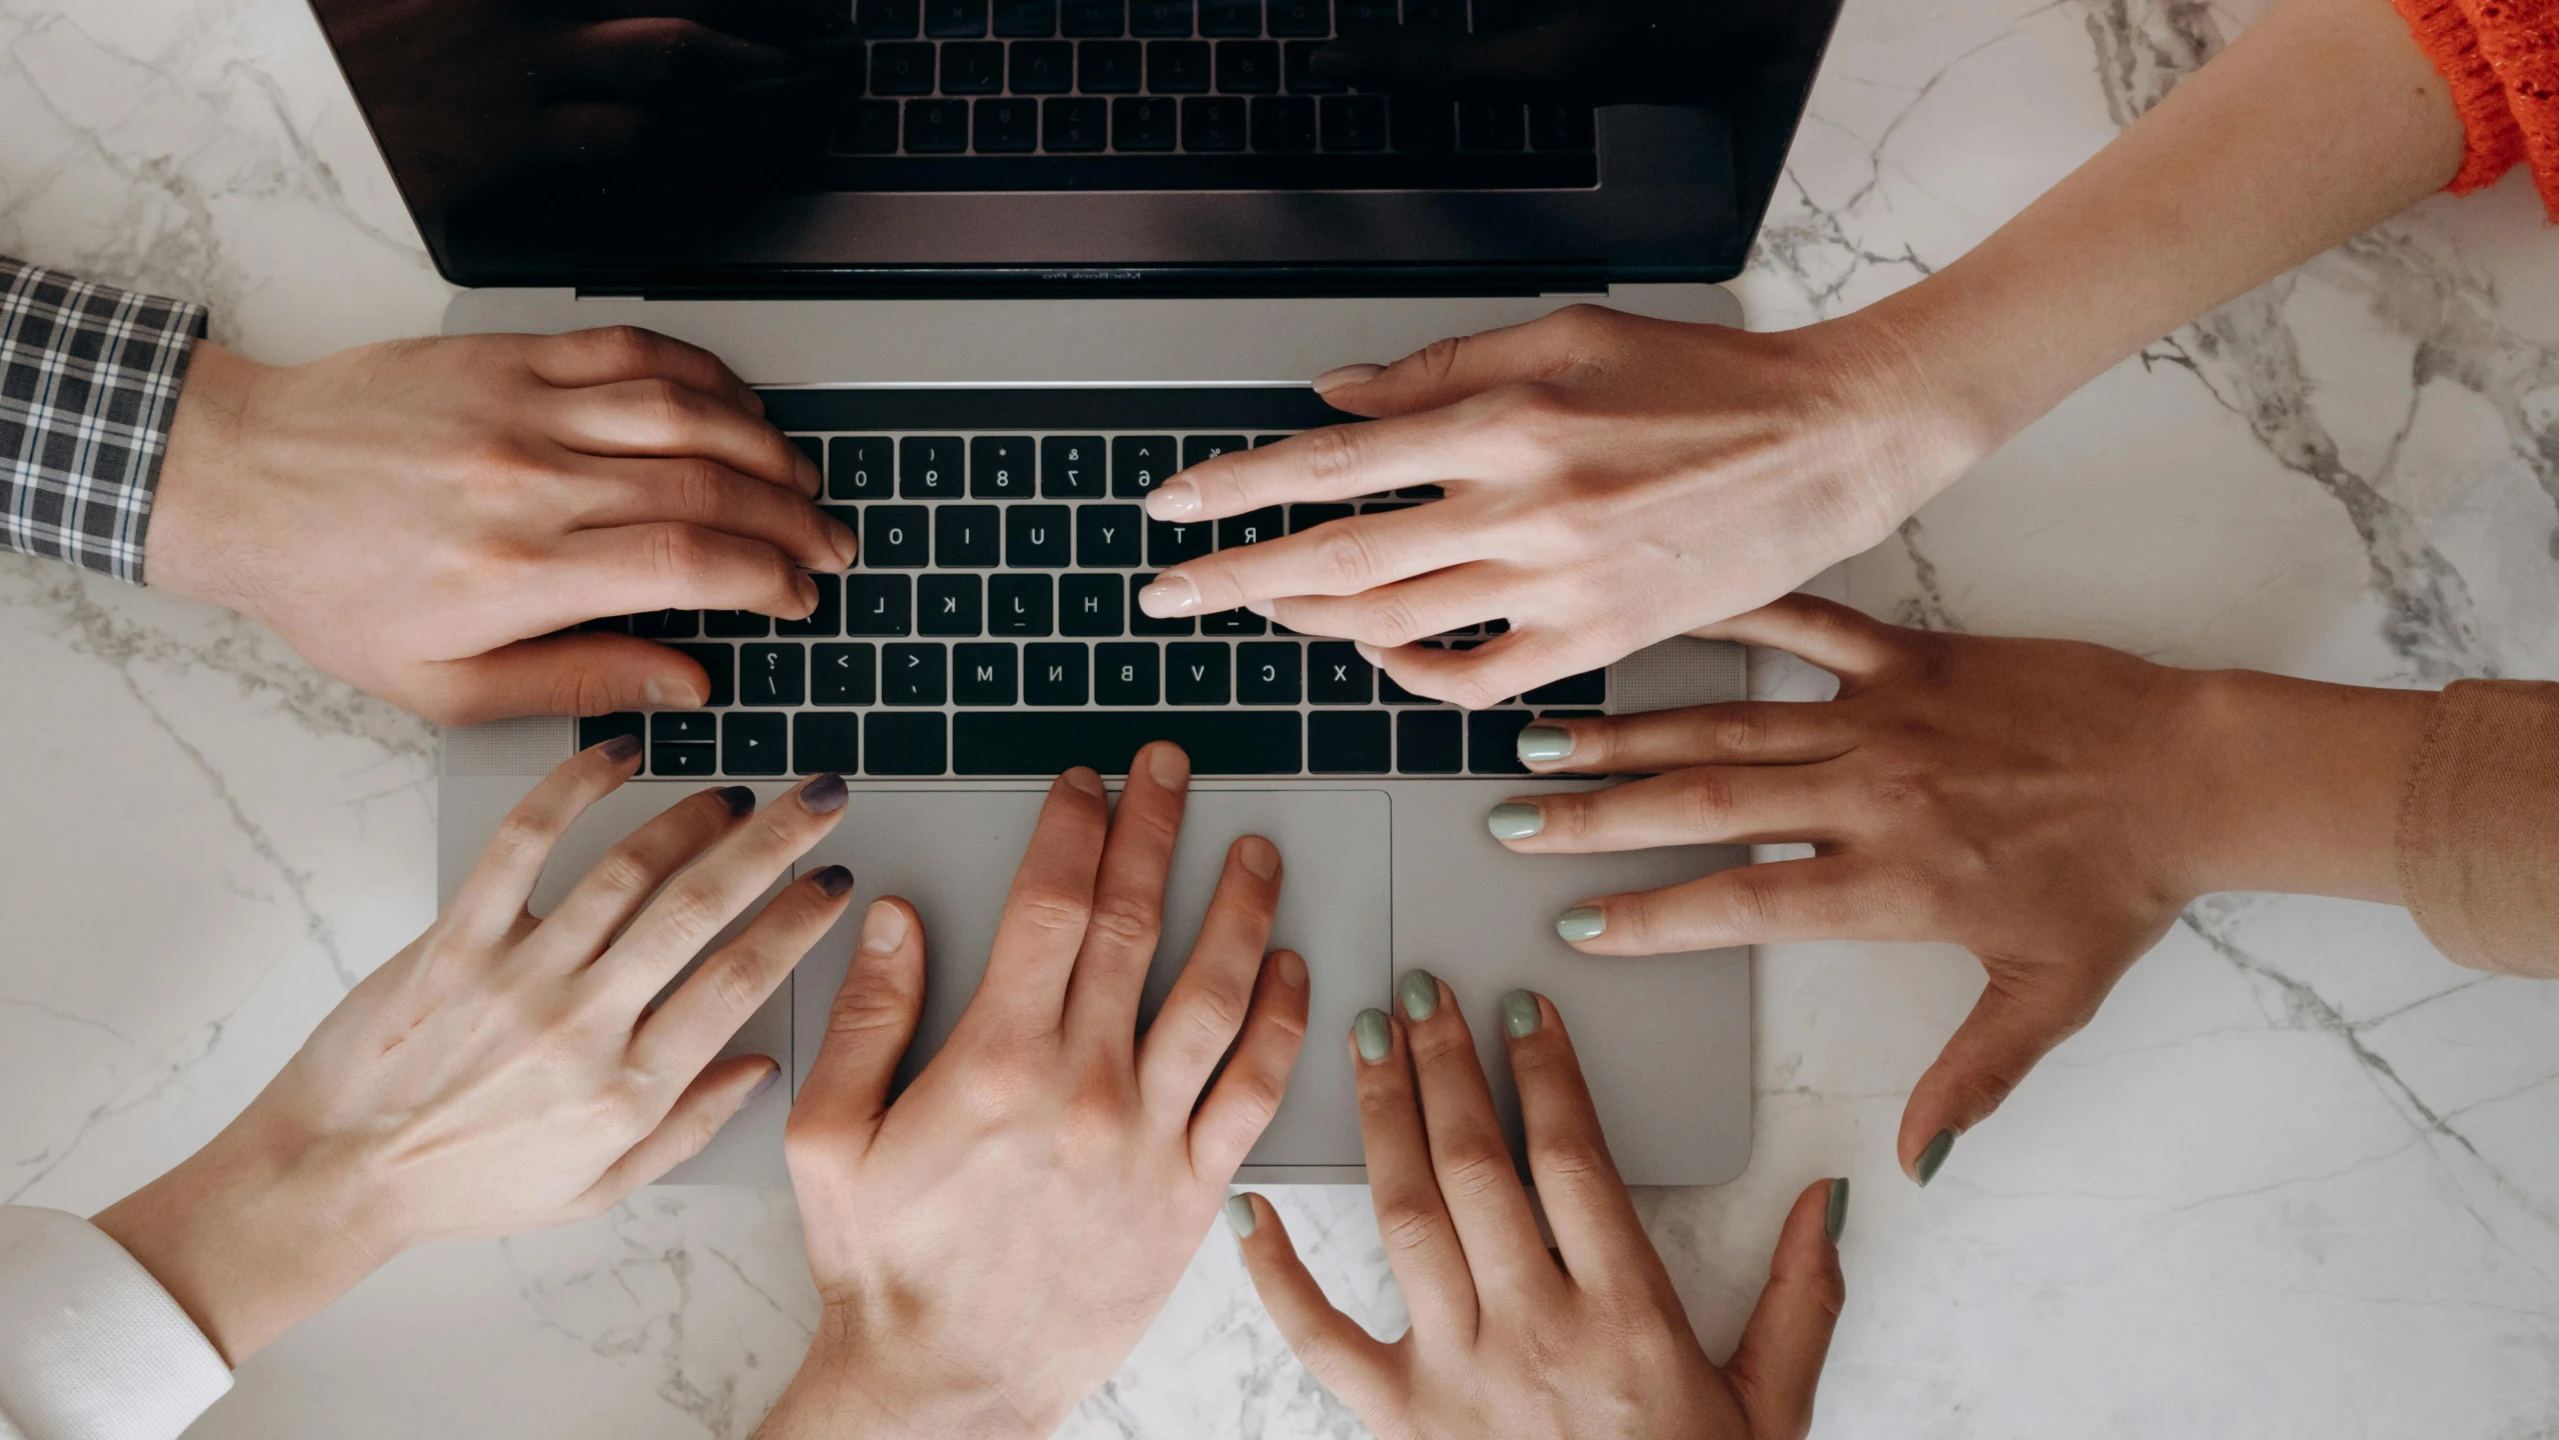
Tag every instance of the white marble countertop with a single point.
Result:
(2299, 1178)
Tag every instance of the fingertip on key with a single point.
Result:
(1176, 499)
(1169, 595)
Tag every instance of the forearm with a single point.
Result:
(2321, 120)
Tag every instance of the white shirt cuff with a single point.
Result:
(91, 1347)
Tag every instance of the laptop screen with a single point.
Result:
(974, 146)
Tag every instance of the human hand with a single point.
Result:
(1509, 1339)
(411, 515)
(1611, 481)
(504, 1073)
(2050, 805)
(991, 1246)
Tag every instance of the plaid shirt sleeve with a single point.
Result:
(89, 380)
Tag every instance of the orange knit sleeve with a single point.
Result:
(2502, 60)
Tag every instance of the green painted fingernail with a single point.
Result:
(1514, 821)
(1373, 1036)
(1239, 1215)
(1419, 990)
(1834, 1220)
(1582, 922)
(1544, 742)
(1520, 1014)
(1934, 1157)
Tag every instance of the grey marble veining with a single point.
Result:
(2297, 1179)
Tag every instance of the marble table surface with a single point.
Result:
(2286, 1185)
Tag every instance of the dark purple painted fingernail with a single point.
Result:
(739, 799)
(620, 747)
(761, 1086)
(823, 795)
(834, 880)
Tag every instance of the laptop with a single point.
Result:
(1003, 266)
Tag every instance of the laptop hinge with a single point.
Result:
(1219, 282)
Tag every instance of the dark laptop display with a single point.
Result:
(1150, 146)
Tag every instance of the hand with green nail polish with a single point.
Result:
(1510, 1341)
(990, 1245)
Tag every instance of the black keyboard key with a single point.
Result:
(607, 625)
(967, 537)
(894, 537)
(1159, 17)
(931, 467)
(1200, 449)
(1170, 542)
(915, 674)
(1562, 127)
(937, 127)
(948, 605)
(902, 69)
(954, 20)
(1266, 673)
(1043, 67)
(812, 446)
(1056, 674)
(1144, 122)
(844, 675)
(1354, 15)
(1248, 67)
(1251, 528)
(827, 618)
(596, 729)
(753, 744)
(1036, 537)
(1092, 17)
(1492, 741)
(858, 467)
(878, 605)
(1301, 17)
(1089, 604)
(888, 19)
(1019, 605)
(1196, 674)
(735, 625)
(1026, 19)
(1213, 124)
(1302, 518)
(1588, 688)
(1234, 622)
(1424, 123)
(823, 744)
(1430, 742)
(1422, 492)
(1491, 125)
(983, 674)
(1002, 467)
(1335, 674)
(908, 744)
(868, 127)
(1230, 17)
(973, 67)
(1124, 673)
(772, 674)
(1007, 127)
(1072, 127)
(667, 624)
(1348, 122)
(1348, 742)
(720, 663)
(1390, 693)
(1219, 742)
(1177, 67)
(1298, 68)
(681, 727)
(1141, 623)
(1440, 15)
(1110, 67)
(1072, 467)
(1106, 536)
(1385, 509)
(1139, 463)
(684, 760)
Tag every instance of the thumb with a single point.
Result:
(2014, 1024)
(1447, 371)
(1778, 1364)
(583, 674)
(868, 1028)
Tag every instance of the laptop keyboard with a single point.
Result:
(1140, 94)
(991, 626)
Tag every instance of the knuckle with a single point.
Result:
(1439, 359)
(627, 343)
(1391, 621)
(1568, 1158)
(1346, 556)
(866, 1009)
(1331, 455)
(1053, 912)
(1124, 920)
(1706, 802)
(622, 871)
(522, 833)
(1474, 1168)
(1407, 1225)
(679, 555)
(1738, 730)
(736, 981)
(691, 914)
(1256, 1098)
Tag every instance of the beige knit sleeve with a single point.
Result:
(2479, 827)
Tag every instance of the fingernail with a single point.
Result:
(1835, 1217)
(670, 695)
(883, 928)
(1264, 608)
(811, 478)
(620, 747)
(1084, 780)
(1373, 1035)
(1292, 969)
(1419, 990)
(1512, 820)
(1366, 651)
(1260, 856)
(834, 880)
(739, 799)
(1545, 742)
(1169, 595)
(808, 596)
(1239, 1215)
(848, 546)
(1176, 499)
(1520, 1015)
(1341, 375)
(770, 1076)
(1582, 922)
(824, 795)
(1933, 1159)
(1168, 764)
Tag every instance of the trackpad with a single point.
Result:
(953, 853)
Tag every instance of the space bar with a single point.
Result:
(1043, 742)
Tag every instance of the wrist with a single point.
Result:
(848, 1385)
(1926, 424)
(191, 547)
